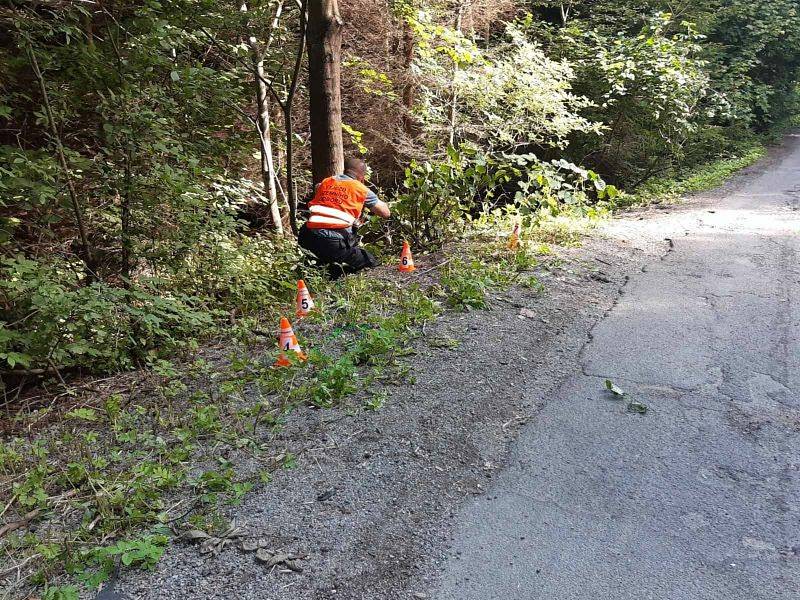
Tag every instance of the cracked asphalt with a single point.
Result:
(698, 498)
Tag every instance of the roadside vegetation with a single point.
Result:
(154, 159)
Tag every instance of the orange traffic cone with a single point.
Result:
(304, 302)
(513, 240)
(288, 341)
(406, 260)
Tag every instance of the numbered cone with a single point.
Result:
(513, 240)
(288, 343)
(304, 302)
(406, 260)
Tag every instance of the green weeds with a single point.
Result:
(467, 283)
(117, 475)
(467, 280)
(65, 592)
(698, 179)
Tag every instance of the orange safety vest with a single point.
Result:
(337, 204)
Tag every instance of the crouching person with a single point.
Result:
(329, 234)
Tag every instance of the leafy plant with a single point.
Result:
(467, 282)
(95, 326)
(332, 383)
(61, 592)
(95, 565)
(376, 401)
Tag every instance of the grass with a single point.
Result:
(563, 230)
(700, 178)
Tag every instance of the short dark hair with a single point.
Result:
(355, 165)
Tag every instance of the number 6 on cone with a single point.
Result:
(406, 259)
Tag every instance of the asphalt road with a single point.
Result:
(698, 498)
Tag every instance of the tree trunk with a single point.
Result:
(88, 29)
(565, 10)
(125, 215)
(324, 35)
(265, 137)
(62, 159)
(263, 126)
(288, 106)
(409, 126)
(454, 98)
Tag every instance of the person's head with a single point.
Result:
(355, 168)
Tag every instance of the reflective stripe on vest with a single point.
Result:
(330, 217)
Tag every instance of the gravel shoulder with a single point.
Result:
(373, 500)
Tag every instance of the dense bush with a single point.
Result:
(52, 323)
(440, 200)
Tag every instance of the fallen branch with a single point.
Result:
(13, 526)
(441, 264)
(18, 567)
(10, 502)
(31, 372)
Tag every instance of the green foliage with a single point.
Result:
(699, 178)
(95, 565)
(376, 401)
(437, 196)
(468, 282)
(755, 49)
(333, 382)
(441, 199)
(375, 344)
(97, 326)
(647, 90)
(144, 552)
(673, 90)
(31, 493)
(150, 140)
(61, 592)
(518, 97)
(656, 85)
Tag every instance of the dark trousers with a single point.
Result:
(337, 249)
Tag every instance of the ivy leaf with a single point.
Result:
(85, 414)
(637, 407)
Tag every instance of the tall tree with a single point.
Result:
(324, 35)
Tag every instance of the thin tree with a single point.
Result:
(262, 120)
(285, 101)
(409, 124)
(454, 91)
(287, 105)
(62, 159)
(324, 35)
